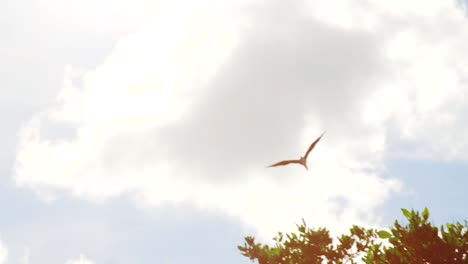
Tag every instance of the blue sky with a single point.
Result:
(138, 236)
(139, 131)
(435, 185)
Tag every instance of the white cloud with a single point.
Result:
(87, 15)
(373, 14)
(3, 253)
(81, 260)
(194, 105)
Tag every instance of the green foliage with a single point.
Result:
(406, 213)
(384, 234)
(416, 242)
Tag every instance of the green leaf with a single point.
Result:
(425, 214)
(384, 234)
(406, 213)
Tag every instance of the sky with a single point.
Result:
(140, 131)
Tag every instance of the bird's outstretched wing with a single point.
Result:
(312, 146)
(284, 162)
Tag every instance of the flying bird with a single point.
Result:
(302, 160)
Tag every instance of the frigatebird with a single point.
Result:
(302, 160)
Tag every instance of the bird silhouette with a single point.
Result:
(302, 160)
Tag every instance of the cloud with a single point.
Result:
(424, 117)
(119, 15)
(3, 253)
(81, 260)
(195, 104)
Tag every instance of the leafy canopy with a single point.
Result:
(418, 241)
